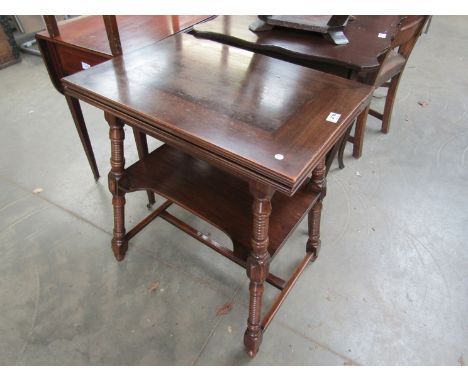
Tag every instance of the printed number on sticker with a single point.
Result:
(333, 117)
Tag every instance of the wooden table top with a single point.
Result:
(253, 115)
(88, 32)
(360, 54)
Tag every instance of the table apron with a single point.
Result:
(207, 155)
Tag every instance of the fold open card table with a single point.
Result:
(246, 138)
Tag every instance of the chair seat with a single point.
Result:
(392, 65)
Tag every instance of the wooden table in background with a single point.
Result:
(245, 136)
(369, 38)
(359, 57)
(82, 42)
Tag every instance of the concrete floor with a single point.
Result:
(390, 286)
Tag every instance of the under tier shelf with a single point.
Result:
(221, 199)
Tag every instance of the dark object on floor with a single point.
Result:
(30, 47)
(9, 52)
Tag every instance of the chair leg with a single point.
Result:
(77, 114)
(343, 146)
(142, 149)
(428, 25)
(389, 101)
(332, 154)
(359, 133)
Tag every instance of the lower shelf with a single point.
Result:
(221, 199)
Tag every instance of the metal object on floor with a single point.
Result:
(30, 47)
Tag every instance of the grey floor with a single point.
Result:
(390, 286)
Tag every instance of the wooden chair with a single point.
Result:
(388, 75)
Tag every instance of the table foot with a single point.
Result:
(119, 247)
(313, 249)
(252, 344)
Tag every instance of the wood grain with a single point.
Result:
(88, 33)
(215, 196)
(243, 107)
(361, 54)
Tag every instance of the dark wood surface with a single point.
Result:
(85, 40)
(189, 183)
(238, 108)
(360, 59)
(361, 54)
(88, 33)
(51, 25)
(113, 34)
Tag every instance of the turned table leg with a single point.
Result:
(318, 183)
(117, 136)
(142, 149)
(257, 264)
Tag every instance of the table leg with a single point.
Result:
(359, 132)
(77, 114)
(117, 136)
(142, 148)
(258, 264)
(318, 183)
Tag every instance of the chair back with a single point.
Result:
(408, 31)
